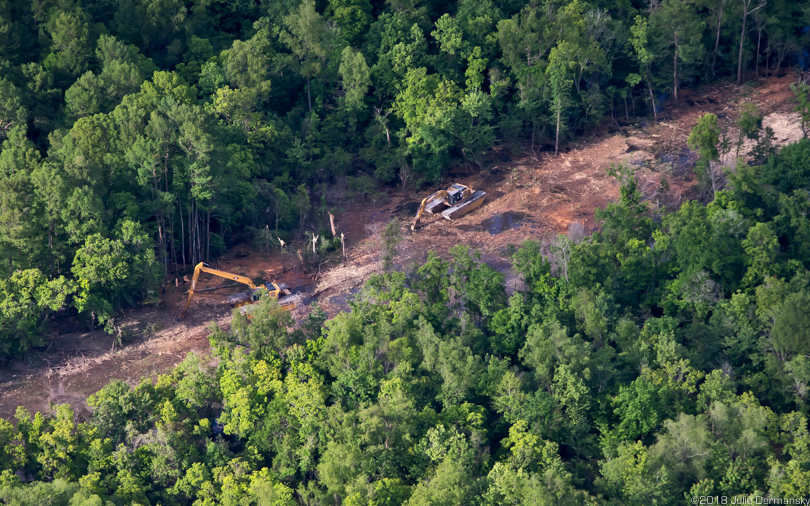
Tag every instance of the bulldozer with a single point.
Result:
(457, 200)
(244, 300)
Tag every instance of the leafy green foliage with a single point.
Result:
(438, 389)
(705, 137)
(665, 354)
(802, 92)
(391, 237)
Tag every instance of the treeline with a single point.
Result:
(140, 137)
(662, 358)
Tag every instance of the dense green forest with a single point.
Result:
(139, 137)
(663, 357)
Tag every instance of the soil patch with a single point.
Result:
(409, 208)
(504, 221)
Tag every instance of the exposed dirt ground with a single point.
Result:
(529, 195)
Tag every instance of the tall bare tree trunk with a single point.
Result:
(198, 233)
(742, 40)
(171, 242)
(719, 24)
(182, 232)
(746, 12)
(191, 234)
(557, 139)
(162, 246)
(675, 73)
(626, 112)
(717, 38)
(768, 64)
(309, 93)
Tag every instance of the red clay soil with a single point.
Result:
(531, 195)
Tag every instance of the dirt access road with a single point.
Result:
(531, 195)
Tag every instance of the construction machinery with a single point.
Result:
(455, 201)
(244, 300)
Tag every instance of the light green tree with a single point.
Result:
(306, 35)
(355, 75)
(12, 110)
(111, 273)
(27, 297)
(391, 237)
(705, 139)
(802, 94)
(644, 58)
(761, 248)
(85, 97)
(678, 30)
(560, 81)
(71, 44)
(749, 123)
(352, 16)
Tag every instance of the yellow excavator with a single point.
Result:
(455, 201)
(244, 299)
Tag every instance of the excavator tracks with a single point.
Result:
(465, 207)
(287, 303)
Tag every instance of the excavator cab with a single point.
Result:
(257, 294)
(277, 290)
(456, 194)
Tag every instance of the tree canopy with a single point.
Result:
(662, 357)
(682, 371)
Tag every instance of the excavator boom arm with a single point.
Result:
(419, 213)
(202, 267)
(425, 201)
(222, 274)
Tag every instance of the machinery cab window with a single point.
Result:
(454, 194)
(257, 294)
